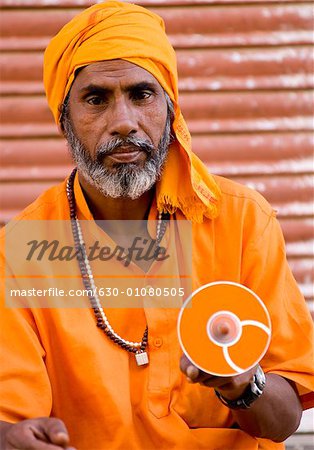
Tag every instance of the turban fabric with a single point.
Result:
(118, 30)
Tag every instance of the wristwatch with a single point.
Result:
(251, 393)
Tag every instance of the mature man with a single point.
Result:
(111, 82)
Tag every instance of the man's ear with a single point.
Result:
(61, 123)
(61, 115)
(63, 112)
(61, 129)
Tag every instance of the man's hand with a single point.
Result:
(274, 415)
(229, 387)
(44, 433)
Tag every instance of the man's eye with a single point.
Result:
(95, 100)
(142, 95)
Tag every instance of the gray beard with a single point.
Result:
(121, 180)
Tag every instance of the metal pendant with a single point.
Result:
(141, 358)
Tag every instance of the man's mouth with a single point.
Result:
(126, 154)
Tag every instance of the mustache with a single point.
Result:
(117, 142)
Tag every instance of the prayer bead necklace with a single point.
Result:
(138, 348)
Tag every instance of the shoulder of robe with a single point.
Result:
(240, 197)
(47, 206)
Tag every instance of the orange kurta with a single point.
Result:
(57, 362)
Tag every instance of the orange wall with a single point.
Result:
(245, 77)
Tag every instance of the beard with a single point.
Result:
(121, 179)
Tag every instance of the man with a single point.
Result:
(111, 83)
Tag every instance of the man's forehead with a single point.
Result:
(111, 70)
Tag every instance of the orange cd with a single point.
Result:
(224, 328)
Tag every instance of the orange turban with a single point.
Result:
(118, 30)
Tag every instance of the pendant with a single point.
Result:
(141, 358)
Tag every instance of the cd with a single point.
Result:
(224, 328)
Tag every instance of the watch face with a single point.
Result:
(252, 392)
(260, 376)
(259, 381)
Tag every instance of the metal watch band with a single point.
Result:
(251, 393)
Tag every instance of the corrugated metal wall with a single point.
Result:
(246, 74)
(246, 79)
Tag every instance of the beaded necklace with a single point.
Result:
(138, 348)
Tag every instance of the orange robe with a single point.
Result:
(56, 362)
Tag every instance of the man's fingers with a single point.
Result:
(188, 368)
(196, 375)
(44, 433)
(230, 387)
(56, 431)
(39, 434)
(216, 382)
(24, 438)
(192, 372)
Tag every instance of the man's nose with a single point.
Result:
(123, 119)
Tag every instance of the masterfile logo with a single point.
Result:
(129, 270)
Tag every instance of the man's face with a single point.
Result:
(118, 127)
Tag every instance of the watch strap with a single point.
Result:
(253, 391)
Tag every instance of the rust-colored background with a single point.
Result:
(246, 74)
(246, 80)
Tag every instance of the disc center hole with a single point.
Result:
(224, 328)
